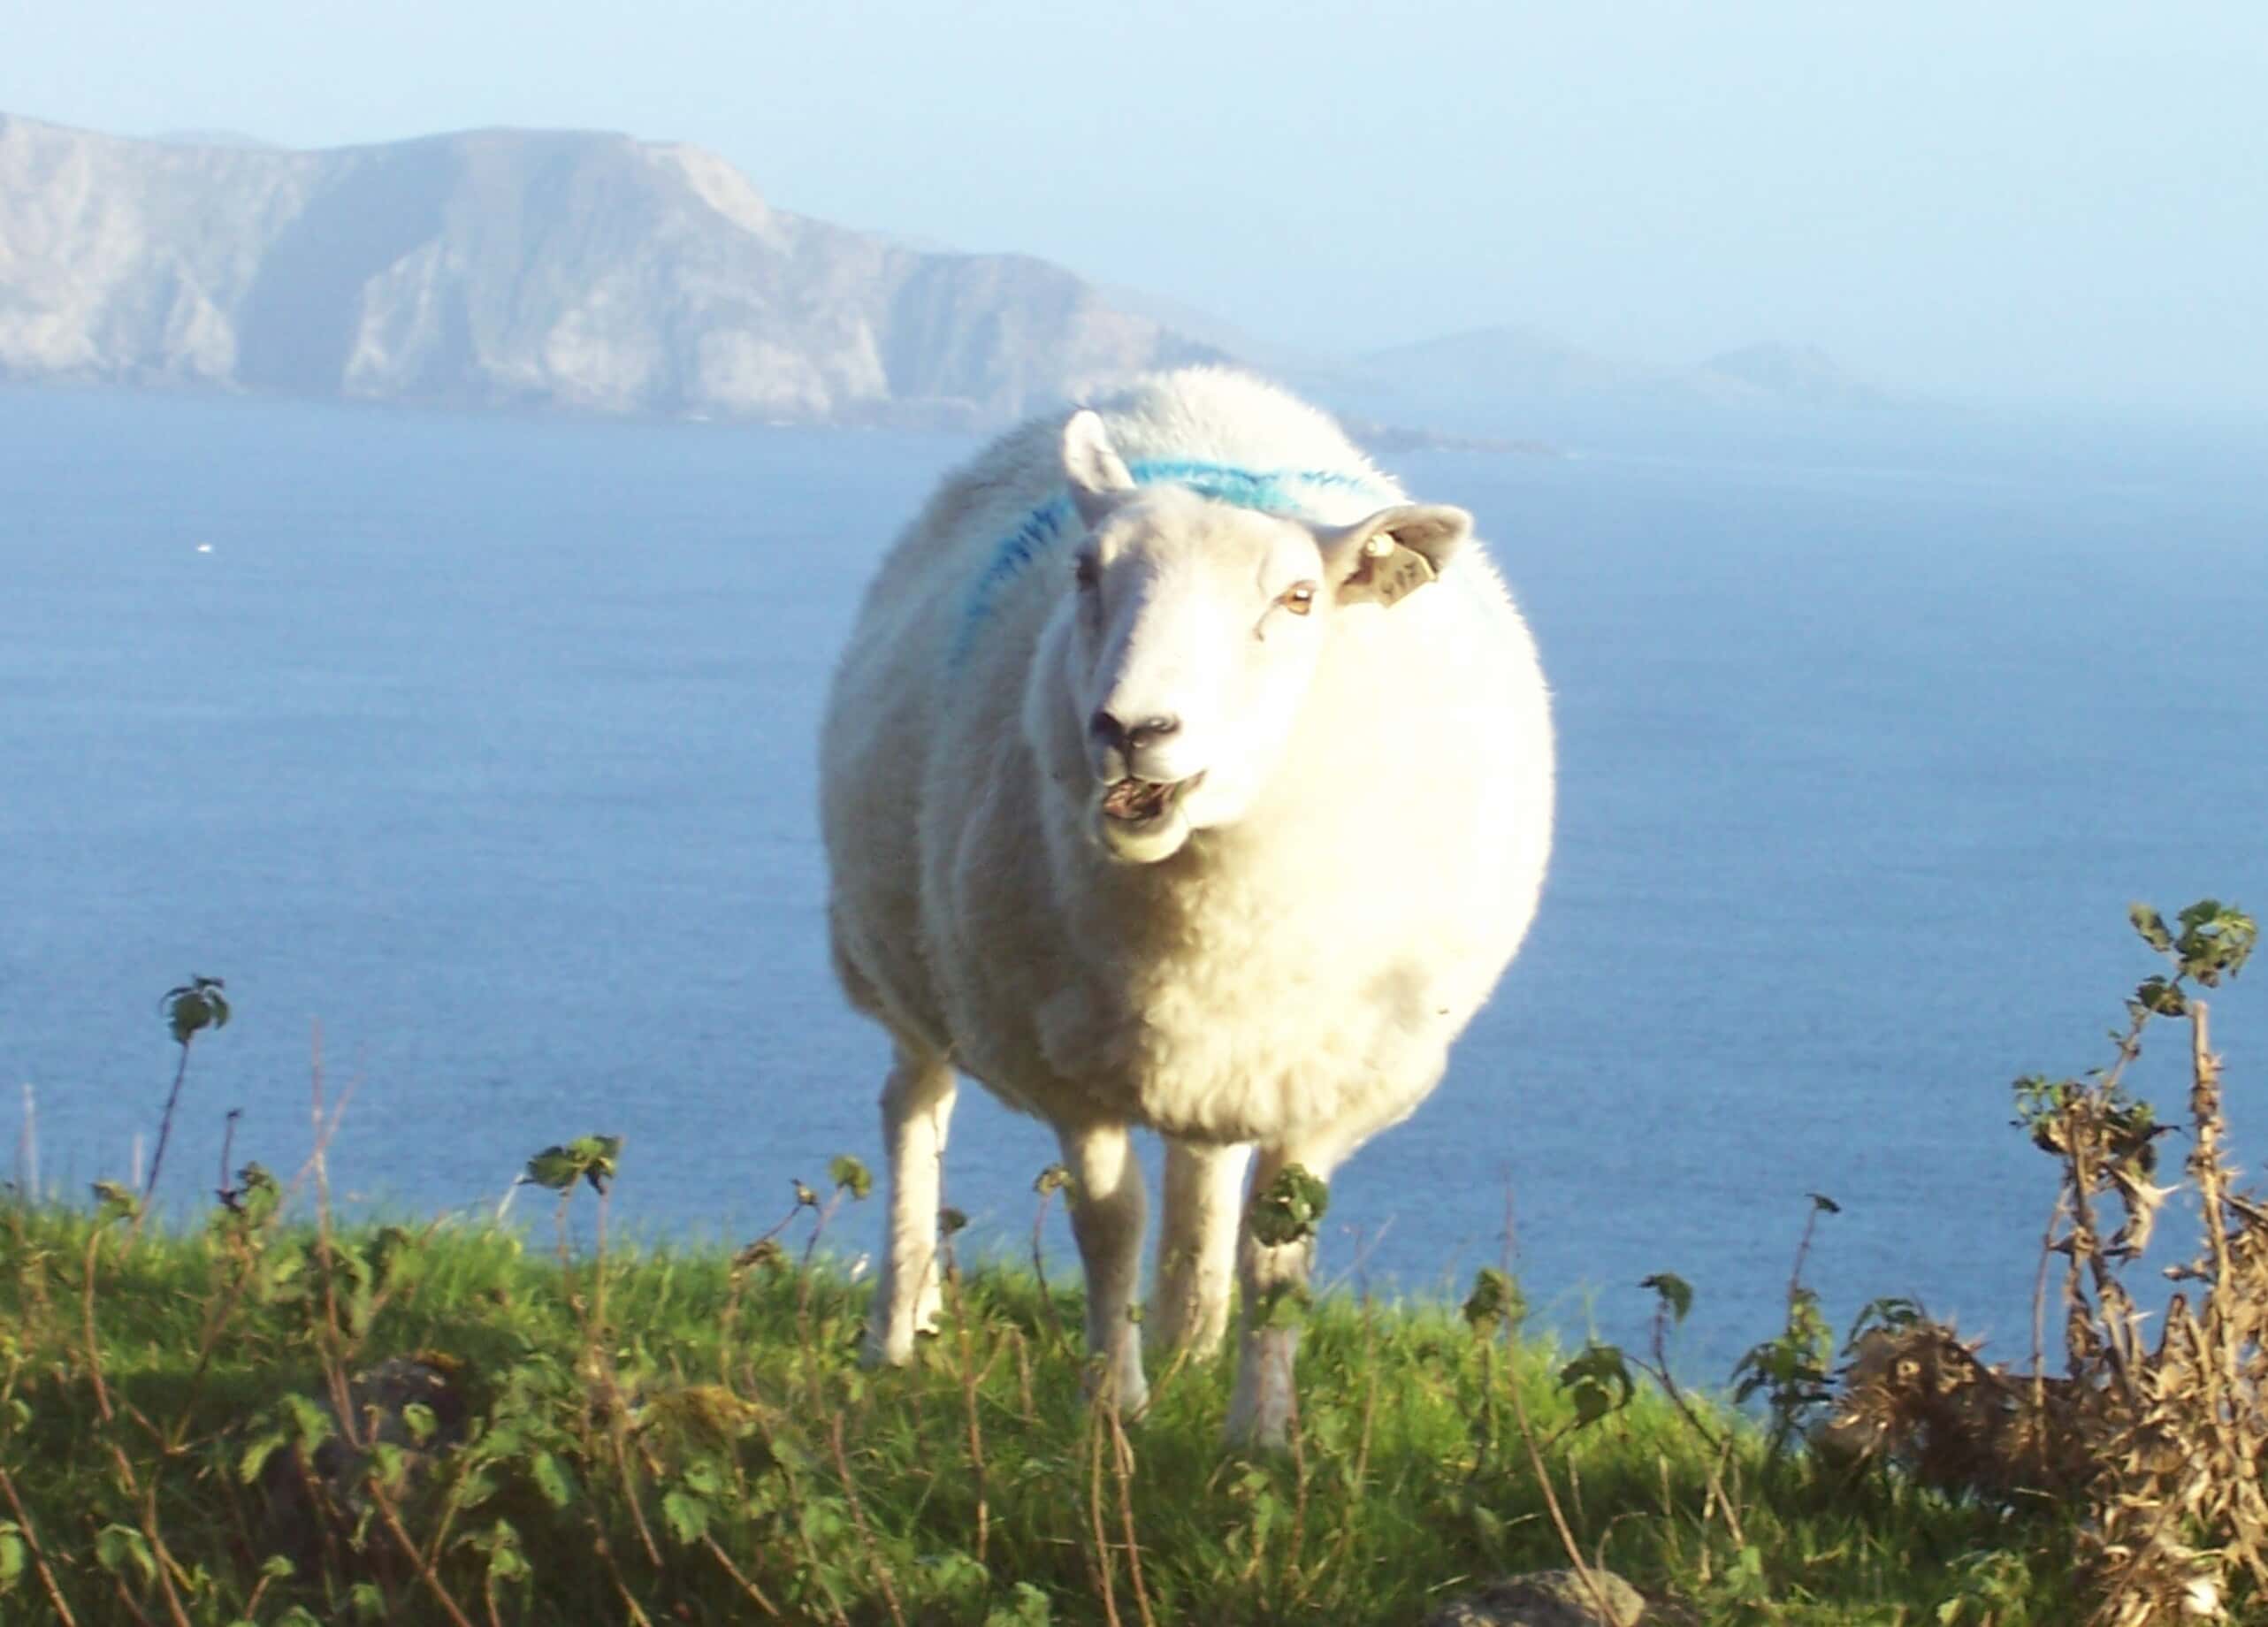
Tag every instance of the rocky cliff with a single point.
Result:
(509, 267)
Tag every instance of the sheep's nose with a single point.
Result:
(1115, 734)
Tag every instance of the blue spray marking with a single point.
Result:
(1270, 491)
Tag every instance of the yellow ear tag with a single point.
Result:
(1390, 570)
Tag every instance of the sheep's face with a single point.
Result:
(1189, 638)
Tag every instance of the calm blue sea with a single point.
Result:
(486, 744)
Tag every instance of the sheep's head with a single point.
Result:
(1189, 633)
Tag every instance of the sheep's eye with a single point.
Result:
(1299, 599)
(1086, 573)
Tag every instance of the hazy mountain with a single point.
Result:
(212, 138)
(1500, 362)
(1790, 375)
(524, 268)
(1518, 366)
(597, 273)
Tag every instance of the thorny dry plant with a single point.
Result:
(2163, 1446)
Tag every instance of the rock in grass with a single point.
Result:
(1545, 1598)
(304, 1494)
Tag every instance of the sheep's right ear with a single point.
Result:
(1098, 475)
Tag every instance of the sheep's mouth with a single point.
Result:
(1133, 801)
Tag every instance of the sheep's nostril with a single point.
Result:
(1107, 728)
(1150, 731)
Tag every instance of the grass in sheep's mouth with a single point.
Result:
(1132, 798)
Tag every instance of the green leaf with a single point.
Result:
(955, 1574)
(1823, 1204)
(951, 1221)
(388, 1464)
(471, 1491)
(366, 1602)
(312, 1421)
(279, 1569)
(686, 1515)
(418, 1419)
(1026, 1607)
(598, 1155)
(551, 1479)
(194, 1006)
(2160, 997)
(554, 1167)
(1288, 1210)
(13, 1556)
(257, 1195)
(118, 1548)
(2216, 941)
(1494, 1298)
(587, 1157)
(1055, 1178)
(849, 1176)
(114, 1202)
(257, 1455)
(508, 1564)
(1598, 1382)
(1674, 1291)
(2151, 924)
(1487, 1525)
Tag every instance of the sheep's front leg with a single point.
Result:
(1265, 1400)
(1196, 1247)
(1106, 1216)
(917, 1105)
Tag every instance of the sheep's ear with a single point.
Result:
(1393, 552)
(1098, 475)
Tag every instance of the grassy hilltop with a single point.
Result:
(270, 1419)
(674, 1436)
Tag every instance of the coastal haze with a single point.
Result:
(1869, 417)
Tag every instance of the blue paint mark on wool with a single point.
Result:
(1270, 491)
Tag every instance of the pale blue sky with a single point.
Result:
(2001, 198)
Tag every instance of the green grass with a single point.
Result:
(667, 1437)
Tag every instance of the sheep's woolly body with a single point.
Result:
(1292, 979)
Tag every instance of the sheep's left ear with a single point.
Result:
(1393, 552)
(1096, 473)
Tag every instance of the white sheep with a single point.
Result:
(1163, 784)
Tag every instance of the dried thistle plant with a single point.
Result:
(2164, 1446)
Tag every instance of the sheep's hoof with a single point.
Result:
(881, 1350)
(1126, 1391)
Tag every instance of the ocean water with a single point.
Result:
(483, 749)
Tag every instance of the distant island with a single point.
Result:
(597, 273)
(1517, 365)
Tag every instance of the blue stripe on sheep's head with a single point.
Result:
(1177, 664)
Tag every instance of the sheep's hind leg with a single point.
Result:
(1106, 1218)
(1266, 1399)
(1196, 1247)
(917, 1105)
